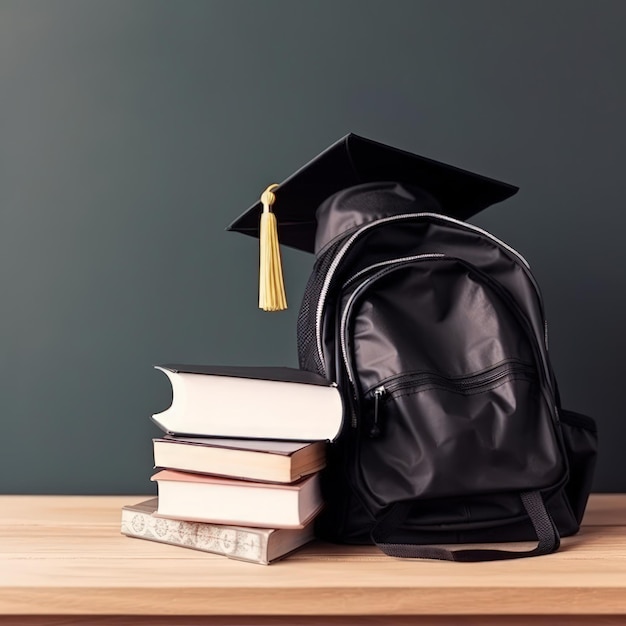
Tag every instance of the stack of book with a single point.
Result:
(238, 467)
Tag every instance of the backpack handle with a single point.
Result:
(545, 529)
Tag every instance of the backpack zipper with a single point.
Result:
(460, 383)
(369, 268)
(379, 393)
(464, 385)
(344, 249)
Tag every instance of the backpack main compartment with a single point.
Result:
(434, 331)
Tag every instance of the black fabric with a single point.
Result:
(345, 212)
(581, 444)
(545, 529)
(434, 331)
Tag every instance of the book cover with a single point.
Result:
(254, 545)
(277, 374)
(251, 459)
(250, 402)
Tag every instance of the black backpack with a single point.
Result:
(434, 331)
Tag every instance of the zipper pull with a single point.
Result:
(375, 430)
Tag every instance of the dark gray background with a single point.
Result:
(132, 132)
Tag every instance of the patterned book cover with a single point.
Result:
(255, 545)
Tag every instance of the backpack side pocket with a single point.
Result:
(580, 436)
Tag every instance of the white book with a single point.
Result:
(251, 402)
(205, 498)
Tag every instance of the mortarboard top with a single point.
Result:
(355, 160)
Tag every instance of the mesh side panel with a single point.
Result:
(308, 357)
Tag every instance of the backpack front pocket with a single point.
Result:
(428, 436)
(451, 398)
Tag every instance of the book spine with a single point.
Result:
(234, 543)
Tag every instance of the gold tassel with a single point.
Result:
(271, 285)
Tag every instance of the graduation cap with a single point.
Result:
(352, 161)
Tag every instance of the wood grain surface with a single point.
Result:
(64, 561)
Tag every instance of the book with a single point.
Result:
(255, 545)
(251, 459)
(203, 498)
(250, 402)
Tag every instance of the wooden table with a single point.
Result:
(64, 561)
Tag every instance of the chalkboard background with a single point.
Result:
(133, 131)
